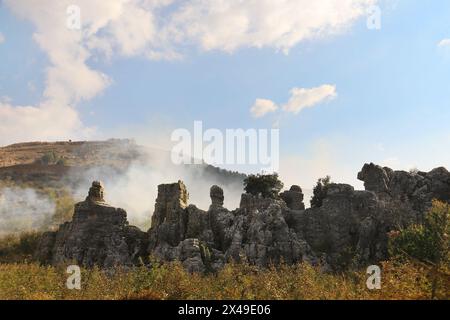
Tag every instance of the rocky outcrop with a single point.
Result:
(349, 228)
(401, 190)
(293, 198)
(217, 197)
(256, 232)
(177, 228)
(97, 235)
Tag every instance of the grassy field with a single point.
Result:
(235, 281)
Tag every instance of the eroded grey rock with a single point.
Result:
(293, 198)
(349, 229)
(98, 235)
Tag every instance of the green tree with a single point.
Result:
(427, 243)
(320, 192)
(266, 185)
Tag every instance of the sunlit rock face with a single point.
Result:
(203, 240)
(349, 229)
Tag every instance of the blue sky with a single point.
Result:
(392, 103)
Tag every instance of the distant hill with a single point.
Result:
(50, 162)
(78, 153)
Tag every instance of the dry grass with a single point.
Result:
(235, 281)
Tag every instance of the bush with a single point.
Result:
(52, 158)
(320, 192)
(18, 247)
(268, 185)
(48, 158)
(64, 204)
(428, 243)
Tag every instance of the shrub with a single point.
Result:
(18, 247)
(48, 158)
(266, 185)
(64, 204)
(427, 243)
(320, 192)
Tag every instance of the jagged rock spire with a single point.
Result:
(293, 198)
(96, 192)
(217, 198)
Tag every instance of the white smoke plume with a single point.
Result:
(23, 210)
(136, 189)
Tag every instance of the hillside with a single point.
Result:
(74, 153)
(51, 161)
(40, 181)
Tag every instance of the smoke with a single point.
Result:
(23, 209)
(135, 188)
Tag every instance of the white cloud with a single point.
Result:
(45, 122)
(158, 29)
(2, 38)
(305, 98)
(445, 43)
(262, 107)
(231, 24)
(69, 78)
(300, 99)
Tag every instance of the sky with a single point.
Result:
(341, 92)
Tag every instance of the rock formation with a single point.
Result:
(416, 189)
(96, 193)
(97, 235)
(349, 228)
(293, 198)
(217, 197)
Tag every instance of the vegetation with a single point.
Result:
(18, 248)
(320, 192)
(48, 158)
(266, 185)
(64, 204)
(427, 243)
(235, 281)
(51, 158)
(60, 196)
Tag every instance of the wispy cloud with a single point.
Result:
(445, 43)
(231, 24)
(156, 29)
(306, 98)
(263, 107)
(300, 99)
(2, 38)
